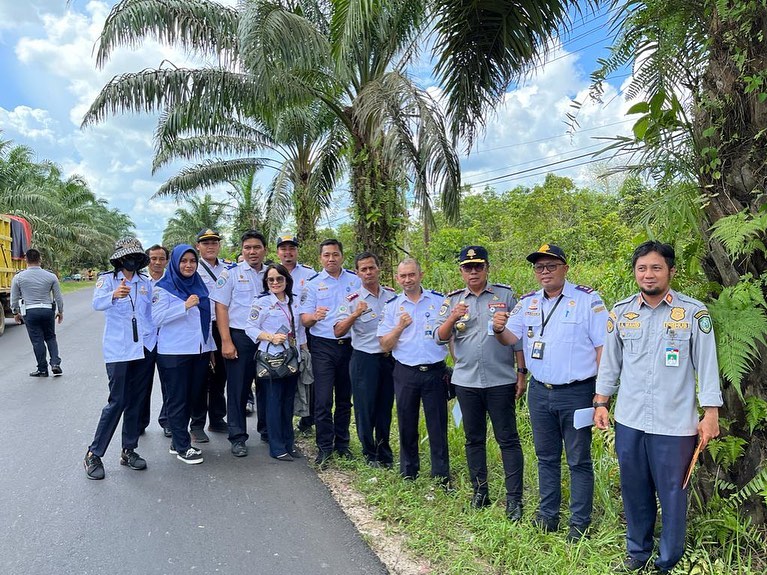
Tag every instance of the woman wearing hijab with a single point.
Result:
(181, 311)
(129, 339)
(273, 323)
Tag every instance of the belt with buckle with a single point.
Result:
(343, 341)
(39, 306)
(426, 367)
(592, 380)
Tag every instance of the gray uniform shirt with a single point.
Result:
(656, 353)
(35, 285)
(480, 360)
(364, 328)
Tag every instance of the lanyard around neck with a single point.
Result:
(546, 320)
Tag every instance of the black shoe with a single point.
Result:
(199, 436)
(219, 427)
(295, 454)
(345, 453)
(39, 374)
(546, 524)
(132, 460)
(576, 533)
(284, 457)
(264, 438)
(94, 469)
(630, 564)
(480, 500)
(239, 449)
(513, 511)
(56, 369)
(166, 432)
(192, 456)
(322, 459)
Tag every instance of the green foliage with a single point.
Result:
(742, 233)
(740, 327)
(727, 450)
(756, 413)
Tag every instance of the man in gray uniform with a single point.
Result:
(657, 342)
(33, 293)
(487, 382)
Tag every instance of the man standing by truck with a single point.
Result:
(36, 301)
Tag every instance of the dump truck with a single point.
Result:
(15, 238)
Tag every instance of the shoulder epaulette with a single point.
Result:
(436, 293)
(351, 272)
(502, 286)
(352, 296)
(688, 299)
(625, 301)
(227, 262)
(233, 265)
(106, 272)
(265, 294)
(527, 295)
(314, 276)
(391, 300)
(586, 289)
(306, 266)
(455, 292)
(388, 288)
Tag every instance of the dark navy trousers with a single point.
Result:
(411, 387)
(551, 417)
(146, 408)
(280, 394)
(127, 391)
(373, 392)
(332, 386)
(654, 464)
(239, 377)
(41, 328)
(500, 403)
(183, 377)
(211, 401)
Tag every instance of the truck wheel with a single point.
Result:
(2, 319)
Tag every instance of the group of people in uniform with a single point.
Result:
(201, 322)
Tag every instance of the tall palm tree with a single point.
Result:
(187, 221)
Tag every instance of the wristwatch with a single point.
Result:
(601, 404)
(522, 370)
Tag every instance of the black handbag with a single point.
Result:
(276, 365)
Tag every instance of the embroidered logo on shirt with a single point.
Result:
(100, 282)
(630, 315)
(677, 313)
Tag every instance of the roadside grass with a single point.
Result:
(441, 528)
(68, 287)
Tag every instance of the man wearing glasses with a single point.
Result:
(487, 381)
(562, 329)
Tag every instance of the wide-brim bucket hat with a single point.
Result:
(128, 246)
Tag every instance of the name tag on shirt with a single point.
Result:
(672, 357)
(537, 352)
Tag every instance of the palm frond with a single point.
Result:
(206, 174)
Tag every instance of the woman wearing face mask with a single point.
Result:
(124, 295)
(181, 311)
(273, 323)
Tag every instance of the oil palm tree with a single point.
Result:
(199, 214)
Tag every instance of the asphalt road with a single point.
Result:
(252, 515)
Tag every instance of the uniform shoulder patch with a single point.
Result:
(454, 292)
(436, 293)
(352, 296)
(527, 295)
(587, 289)
(701, 313)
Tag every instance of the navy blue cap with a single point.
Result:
(547, 250)
(208, 234)
(473, 255)
(287, 239)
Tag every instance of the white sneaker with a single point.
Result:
(191, 456)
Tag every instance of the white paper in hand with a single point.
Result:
(457, 414)
(583, 417)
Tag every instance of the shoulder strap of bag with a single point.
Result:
(207, 269)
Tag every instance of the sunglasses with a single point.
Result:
(474, 266)
(277, 280)
(548, 267)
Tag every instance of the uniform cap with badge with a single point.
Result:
(287, 239)
(208, 234)
(129, 249)
(473, 255)
(547, 250)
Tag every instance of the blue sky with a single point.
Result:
(49, 78)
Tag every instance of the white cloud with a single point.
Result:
(16, 13)
(31, 124)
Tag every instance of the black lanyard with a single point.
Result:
(134, 323)
(543, 317)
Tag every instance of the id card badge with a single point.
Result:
(672, 357)
(490, 328)
(427, 331)
(538, 347)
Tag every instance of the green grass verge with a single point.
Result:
(441, 528)
(68, 287)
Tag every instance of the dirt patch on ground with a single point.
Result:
(388, 545)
